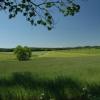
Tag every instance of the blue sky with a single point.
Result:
(79, 30)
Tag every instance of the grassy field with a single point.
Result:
(51, 75)
(82, 64)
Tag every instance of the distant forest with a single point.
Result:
(50, 49)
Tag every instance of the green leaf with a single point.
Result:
(49, 17)
(10, 16)
(49, 28)
(25, 14)
(39, 21)
(49, 4)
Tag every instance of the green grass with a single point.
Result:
(51, 75)
(72, 53)
(82, 64)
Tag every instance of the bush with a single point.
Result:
(23, 53)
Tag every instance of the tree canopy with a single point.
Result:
(23, 53)
(39, 11)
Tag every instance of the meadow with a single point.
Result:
(78, 70)
(82, 64)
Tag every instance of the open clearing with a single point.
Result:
(81, 64)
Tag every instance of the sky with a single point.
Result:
(83, 29)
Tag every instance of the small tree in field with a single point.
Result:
(23, 53)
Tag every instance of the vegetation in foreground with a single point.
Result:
(51, 75)
(83, 64)
(23, 86)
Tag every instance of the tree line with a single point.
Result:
(50, 49)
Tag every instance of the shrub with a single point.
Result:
(23, 53)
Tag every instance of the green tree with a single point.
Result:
(39, 11)
(23, 53)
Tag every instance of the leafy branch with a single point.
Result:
(39, 12)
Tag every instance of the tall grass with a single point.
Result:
(24, 86)
(82, 68)
(55, 75)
